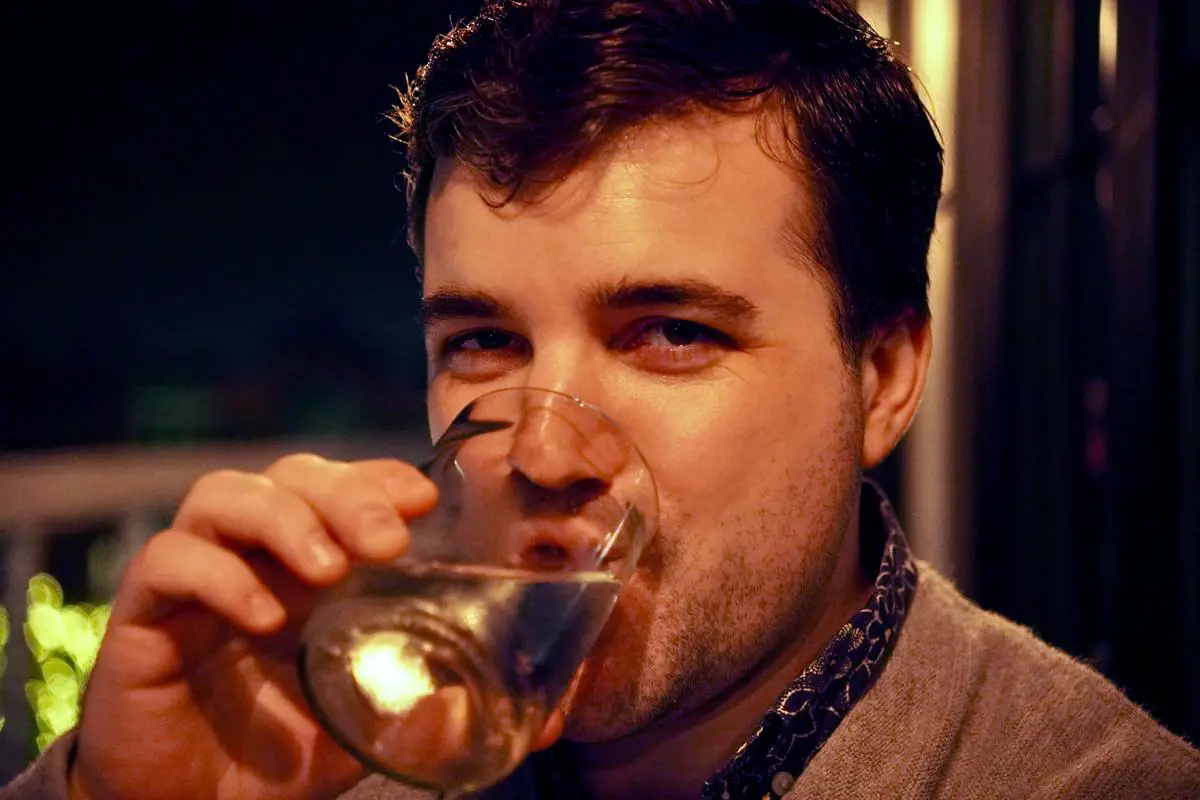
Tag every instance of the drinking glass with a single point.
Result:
(439, 670)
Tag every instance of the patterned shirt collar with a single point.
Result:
(809, 710)
(804, 717)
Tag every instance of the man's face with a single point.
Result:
(656, 282)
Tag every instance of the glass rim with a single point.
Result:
(579, 402)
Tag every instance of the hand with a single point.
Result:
(195, 693)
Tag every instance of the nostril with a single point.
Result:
(545, 555)
(558, 463)
(584, 491)
(538, 498)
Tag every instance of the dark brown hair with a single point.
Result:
(529, 89)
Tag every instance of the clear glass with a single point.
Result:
(439, 670)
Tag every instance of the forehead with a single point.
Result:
(700, 193)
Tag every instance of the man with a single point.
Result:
(711, 218)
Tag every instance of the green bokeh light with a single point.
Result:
(46, 590)
(64, 640)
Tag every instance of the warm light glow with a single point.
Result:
(391, 676)
(875, 12)
(1108, 44)
(929, 478)
(934, 51)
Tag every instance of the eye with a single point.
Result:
(488, 339)
(482, 353)
(681, 332)
(676, 345)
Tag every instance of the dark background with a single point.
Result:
(203, 240)
(202, 196)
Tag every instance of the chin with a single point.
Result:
(590, 724)
(600, 706)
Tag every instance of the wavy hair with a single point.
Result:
(529, 89)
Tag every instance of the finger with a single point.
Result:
(177, 567)
(359, 514)
(431, 739)
(299, 598)
(552, 731)
(252, 512)
(409, 489)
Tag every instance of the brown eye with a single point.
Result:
(680, 333)
(482, 353)
(490, 339)
(676, 346)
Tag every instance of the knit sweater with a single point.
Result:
(969, 705)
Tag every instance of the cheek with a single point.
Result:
(713, 444)
(446, 398)
(440, 407)
(729, 456)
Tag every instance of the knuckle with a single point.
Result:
(373, 511)
(288, 517)
(217, 482)
(387, 468)
(153, 553)
(215, 491)
(296, 463)
(278, 506)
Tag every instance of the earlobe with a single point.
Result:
(894, 365)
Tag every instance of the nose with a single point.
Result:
(557, 451)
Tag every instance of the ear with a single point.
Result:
(894, 365)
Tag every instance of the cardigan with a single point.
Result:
(951, 701)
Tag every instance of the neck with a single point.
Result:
(673, 758)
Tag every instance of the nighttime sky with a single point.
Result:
(191, 176)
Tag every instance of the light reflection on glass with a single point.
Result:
(391, 678)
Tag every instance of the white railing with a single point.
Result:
(45, 494)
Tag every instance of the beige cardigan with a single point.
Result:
(968, 706)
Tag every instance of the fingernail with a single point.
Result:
(326, 554)
(264, 608)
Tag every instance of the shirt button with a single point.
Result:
(782, 783)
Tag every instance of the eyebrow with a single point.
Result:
(456, 303)
(453, 303)
(696, 294)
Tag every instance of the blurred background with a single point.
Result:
(203, 266)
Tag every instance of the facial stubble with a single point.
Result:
(703, 646)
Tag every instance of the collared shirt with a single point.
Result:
(807, 713)
(809, 710)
